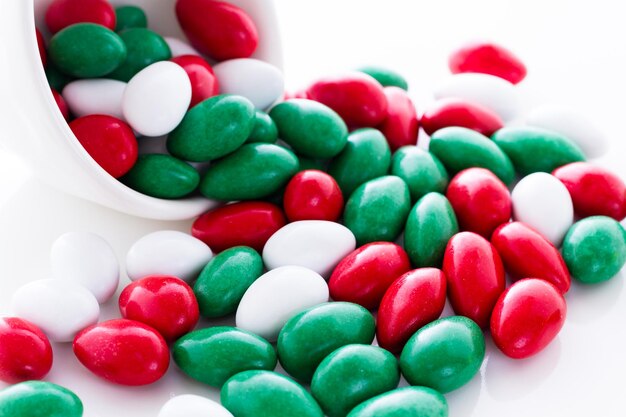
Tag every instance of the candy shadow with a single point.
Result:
(463, 401)
(588, 303)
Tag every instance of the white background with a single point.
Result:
(576, 55)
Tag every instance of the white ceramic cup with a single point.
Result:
(34, 129)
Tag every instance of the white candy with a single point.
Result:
(258, 81)
(571, 124)
(156, 98)
(178, 47)
(315, 244)
(60, 308)
(86, 259)
(276, 296)
(95, 96)
(541, 201)
(167, 252)
(494, 93)
(189, 405)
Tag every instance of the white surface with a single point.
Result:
(576, 55)
(193, 406)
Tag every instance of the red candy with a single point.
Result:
(456, 112)
(61, 104)
(358, 98)
(364, 275)
(25, 352)
(63, 13)
(109, 141)
(594, 190)
(488, 58)
(203, 81)
(526, 253)
(165, 303)
(412, 301)
(248, 223)
(400, 126)
(123, 351)
(480, 201)
(41, 45)
(475, 276)
(312, 195)
(527, 317)
(218, 29)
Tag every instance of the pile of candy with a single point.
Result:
(316, 217)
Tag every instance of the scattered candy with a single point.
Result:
(264, 130)
(38, 398)
(386, 77)
(312, 195)
(63, 13)
(400, 125)
(405, 402)
(487, 58)
(25, 352)
(201, 76)
(422, 171)
(80, 94)
(462, 113)
(129, 17)
(189, 405)
(143, 47)
(162, 176)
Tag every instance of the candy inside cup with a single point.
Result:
(35, 130)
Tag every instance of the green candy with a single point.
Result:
(212, 129)
(430, 224)
(144, 47)
(422, 171)
(214, 354)
(310, 128)
(129, 17)
(255, 170)
(404, 402)
(459, 148)
(377, 210)
(594, 249)
(267, 394)
(39, 399)
(56, 78)
(308, 337)
(444, 355)
(536, 150)
(264, 129)
(365, 157)
(87, 50)
(351, 375)
(162, 176)
(225, 279)
(385, 76)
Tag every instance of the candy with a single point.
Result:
(276, 296)
(178, 47)
(203, 81)
(475, 276)
(63, 13)
(422, 171)
(308, 337)
(315, 244)
(400, 126)
(225, 279)
(253, 171)
(312, 195)
(164, 303)
(310, 128)
(123, 351)
(443, 355)
(212, 129)
(86, 259)
(487, 58)
(594, 190)
(532, 149)
(429, 225)
(267, 394)
(526, 253)
(162, 176)
(542, 202)
(480, 201)
(594, 249)
(460, 148)
(41, 46)
(58, 98)
(258, 81)
(39, 302)
(527, 317)
(462, 113)
(218, 29)
(364, 275)
(143, 47)
(37, 398)
(87, 50)
(167, 252)
(189, 405)
(405, 402)
(366, 156)
(413, 300)
(248, 223)
(129, 17)
(351, 375)
(80, 95)
(362, 214)
(385, 76)
(264, 129)
(25, 352)
(215, 354)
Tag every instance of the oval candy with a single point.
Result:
(258, 81)
(405, 402)
(189, 405)
(28, 398)
(25, 351)
(449, 112)
(385, 76)
(63, 13)
(61, 104)
(143, 47)
(312, 195)
(79, 96)
(400, 125)
(162, 176)
(422, 171)
(201, 76)
(128, 17)
(487, 58)
(264, 129)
